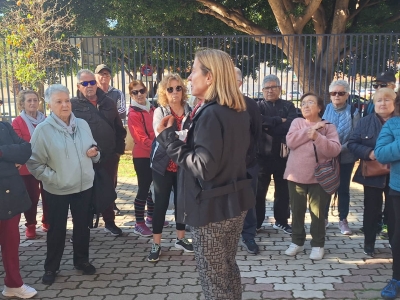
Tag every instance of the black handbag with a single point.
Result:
(265, 144)
(14, 199)
(102, 196)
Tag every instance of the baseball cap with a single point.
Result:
(102, 67)
(387, 76)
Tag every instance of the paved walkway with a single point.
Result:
(124, 273)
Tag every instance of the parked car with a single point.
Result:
(293, 95)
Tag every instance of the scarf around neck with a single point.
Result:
(72, 123)
(31, 122)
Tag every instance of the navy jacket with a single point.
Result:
(361, 142)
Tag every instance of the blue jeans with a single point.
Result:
(250, 222)
(343, 192)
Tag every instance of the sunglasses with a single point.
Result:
(171, 89)
(86, 83)
(382, 85)
(337, 93)
(135, 92)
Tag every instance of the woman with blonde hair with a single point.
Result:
(214, 192)
(24, 125)
(172, 96)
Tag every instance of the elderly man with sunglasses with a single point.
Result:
(94, 106)
(383, 80)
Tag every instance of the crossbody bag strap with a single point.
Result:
(144, 125)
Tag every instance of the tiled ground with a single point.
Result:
(124, 273)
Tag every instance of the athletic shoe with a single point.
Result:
(369, 250)
(384, 233)
(154, 253)
(184, 244)
(285, 227)
(149, 222)
(30, 232)
(293, 249)
(251, 246)
(24, 292)
(113, 229)
(391, 290)
(317, 253)
(45, 227)
(344, 227)
(49, 277)
(86, 267)
(143, 230)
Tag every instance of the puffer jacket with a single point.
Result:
(59, 159)
(159, 158)
(108, 131)
(361, 142)
(387, 150)
(140, 124)
(14, 198)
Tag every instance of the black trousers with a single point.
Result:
(373, 199)
(144, 176)
(162, 190)
(396, 237)
(58, 213)
(275, 166)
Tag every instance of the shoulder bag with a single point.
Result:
(327, 174)
(371, 168)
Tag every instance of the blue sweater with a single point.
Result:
(387, 150)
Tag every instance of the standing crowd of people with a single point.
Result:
(188, 151)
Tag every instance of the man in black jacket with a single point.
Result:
(276, 115)
(101, 113)
(250, 222)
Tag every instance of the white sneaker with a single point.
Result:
(293, 249)
(24, 292)
(317, 253)
(344, 227)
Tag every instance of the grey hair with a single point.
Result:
(340, 82)
(83, 71)
(52, 89)
(271, 77)
(238, 74)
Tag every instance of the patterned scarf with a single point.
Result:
(31, 122)
(72, 123)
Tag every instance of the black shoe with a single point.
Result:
(369, 250)
(154, 253)
(86, 267)
(49, 277)
(184, 245)
(113, 229)
(251, 246)
(285, 227)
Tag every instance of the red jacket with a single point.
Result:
(22, 130)
(140, 124)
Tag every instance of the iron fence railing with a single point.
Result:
(302, 62)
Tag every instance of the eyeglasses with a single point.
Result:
(337, 93)
(86, 83)
(377, 85)
(135, 92)
(171, 89)
(308, 103)
(270, 87)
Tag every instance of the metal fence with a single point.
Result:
(302, 62)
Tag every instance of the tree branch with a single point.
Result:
(232, 17)
(367, 3)
(312, 7)
(284, 23)
(390, 19)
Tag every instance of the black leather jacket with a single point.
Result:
(212, 180)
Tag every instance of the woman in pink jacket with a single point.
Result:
(303, 135)
(140, 124)
(24, 125)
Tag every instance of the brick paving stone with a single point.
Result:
(357, 278)
(288, 286)
(151, 297)
(106, 291)
(308, 294)
(369, 294)
(250, 296)
(258, 287)
(340, 294)
(277, 295)
(301, 280)
(182, 296)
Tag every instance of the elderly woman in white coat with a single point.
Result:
(63, 152)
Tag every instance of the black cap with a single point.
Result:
(102, 67)
(387, 76)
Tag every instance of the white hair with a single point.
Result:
(83, 71)
(52, 89)
(340, 82)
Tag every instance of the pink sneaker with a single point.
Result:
(149, 222)
(143, 230)
(30, 232)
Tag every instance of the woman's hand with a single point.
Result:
(312, 134)
(18, 166)
(372, 155)
(92, 152)
(319, 125)
(166, 122)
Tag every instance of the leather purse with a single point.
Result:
(284, 153)
(371, 168)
